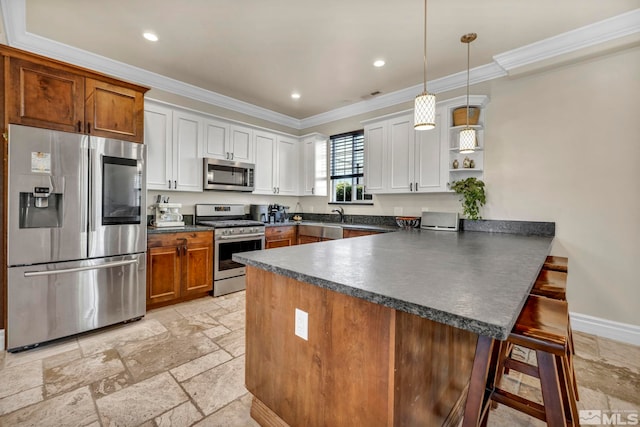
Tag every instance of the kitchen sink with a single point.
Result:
(321, 230)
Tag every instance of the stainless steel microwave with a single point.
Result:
(228, 175)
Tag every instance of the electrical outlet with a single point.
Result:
(302, 324)
(397, 211)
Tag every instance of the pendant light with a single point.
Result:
(425, 105)
(467, 141)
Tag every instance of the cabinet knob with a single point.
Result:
(411, 186)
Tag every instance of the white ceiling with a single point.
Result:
(260, 51)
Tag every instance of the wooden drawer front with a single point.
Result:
(168, 239)
(308, 239)
(277, 237)
(46, 97)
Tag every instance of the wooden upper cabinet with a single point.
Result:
(113, 111)
(50, 94)
(44, 96)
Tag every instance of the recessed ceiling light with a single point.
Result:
(379, 63)
(295, 95)
(150, 36)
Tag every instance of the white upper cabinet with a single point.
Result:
(241, 144)
(227, 141)
(265, 148)
(173, 138)
(287, 166)
(399, 159)
(314, 166)
(375, 170)
(158, 137)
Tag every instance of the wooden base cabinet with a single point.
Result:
(348, 233)
(179, 267)
(277, 237)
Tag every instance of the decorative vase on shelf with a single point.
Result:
(466, 163)
(456, 164)
(472, 164)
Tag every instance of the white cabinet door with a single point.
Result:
(265, 149)
(314, 164)
(375, 136)
(187, 137)
(287, 166)
(241, 144)
(158, 137)
(216, 139)
(431, 157)
(401, 137)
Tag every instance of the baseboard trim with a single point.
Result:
(606, 328)
(1, 339)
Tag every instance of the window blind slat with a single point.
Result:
(347, 155)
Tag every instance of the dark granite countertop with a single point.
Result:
(186, 228)
(476, 281)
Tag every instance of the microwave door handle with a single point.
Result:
(78, 269)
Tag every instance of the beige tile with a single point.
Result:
(612, 380)
(85, 371)
(199, 365)
(619, 405)
(592, 399)
(200, 305)
(110, 384)
(504, 416)
(620, 354)
(42, 352)
(217, 387)
(192, 324)
(21, 400)
(19, 378)
(216, 331)
(160, 355)
(2, 355)
(236, 414)
(140, 402)
(119, 335)
(163, 315)
(586, 345)
(233, 302)
(62, 358)
(74, 408)
(234, 320)
(183, 415)
(233, 343)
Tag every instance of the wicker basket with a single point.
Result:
(460, 116)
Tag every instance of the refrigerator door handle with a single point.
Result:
(77, 269)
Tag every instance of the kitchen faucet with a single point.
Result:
(340, 212)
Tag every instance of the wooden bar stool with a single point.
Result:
(541, 327)
(556, 263)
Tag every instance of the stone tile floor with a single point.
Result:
(183, 365)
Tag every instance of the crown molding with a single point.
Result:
(590, 35)
(14, 13)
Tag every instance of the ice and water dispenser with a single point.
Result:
(41, 207)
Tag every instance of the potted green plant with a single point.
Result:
(472, 196)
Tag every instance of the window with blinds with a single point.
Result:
(347, 167)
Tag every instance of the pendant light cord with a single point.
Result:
(425, 46)
(468, 49)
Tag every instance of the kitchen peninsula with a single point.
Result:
(391, 326)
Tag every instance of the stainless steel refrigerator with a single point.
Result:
(76, 234)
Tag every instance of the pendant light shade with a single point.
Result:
(467, 137)
(424, 110)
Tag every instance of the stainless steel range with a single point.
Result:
(232, 234)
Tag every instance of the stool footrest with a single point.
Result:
(519, 366)
(519, 404)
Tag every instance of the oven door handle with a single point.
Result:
(240, 237)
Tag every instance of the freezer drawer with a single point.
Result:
(50, 301)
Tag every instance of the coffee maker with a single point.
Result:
(167, 215)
